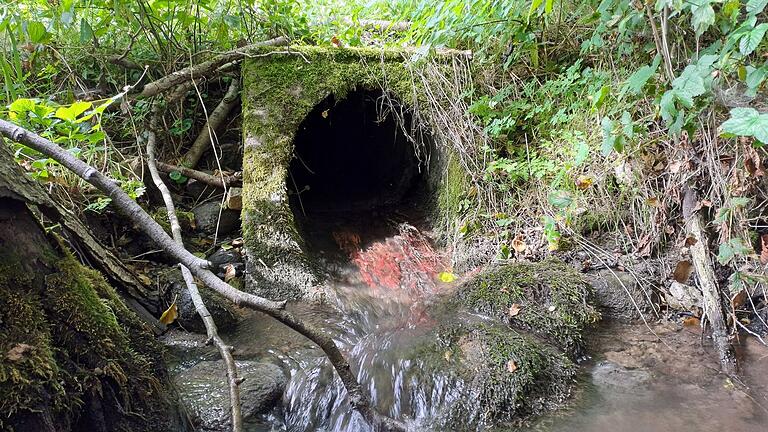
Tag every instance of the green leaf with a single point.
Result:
(747, 122)
(637, 80)
(730, 250)
(754, 7)
(689, 85)
(36, 31)
(70, 113)
(609, 139)
(598, 99)
(703, 16)
(559, 199)
(534, 5)
(86, 32)
(548, 6)
(582, 153)
(628, 127)
(749, 42)
(20, 106)
(755, 77)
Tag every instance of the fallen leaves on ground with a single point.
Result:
(514, 309)
(229, 272)
(511, 366)
(447, 277)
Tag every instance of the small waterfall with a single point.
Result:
(379, 318)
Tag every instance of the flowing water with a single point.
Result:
(377, 311)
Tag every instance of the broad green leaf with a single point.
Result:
(534, 5)
(37, 32)
(582, 153)
(749, 42)
(86, 32)
(637, 80)
(747, 122)
(70, 113)
(20, 106)
(598, 99)
(609, 139)
(559, 199)
(548, 6)
(703, 16)
(733, 248)
(756, 6)
(628, 127)
(689, 85)
(755, 77)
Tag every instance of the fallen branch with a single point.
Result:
(713, 308)
(215, 120)
(204, 177)
(199, 268)
(200, 70)
(194, 293)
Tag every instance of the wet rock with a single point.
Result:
(617, 378)
(207, 218)
(619, 295)
(683, 297)
(222, 310)
(222, 257)
(203, 389)
(505, 344)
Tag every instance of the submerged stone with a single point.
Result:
(204, 390)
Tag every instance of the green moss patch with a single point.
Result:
(548, 298)
(66, 336)
(503, 376)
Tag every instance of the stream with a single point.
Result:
(379, 291)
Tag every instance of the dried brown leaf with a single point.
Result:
(17, 352)
(519, 245)
(229, 272)
(764, 249)
(511, 366)
(514, 309)
(739, 299)
(683, 271)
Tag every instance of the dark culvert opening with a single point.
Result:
(350, 159)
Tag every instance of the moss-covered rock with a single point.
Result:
(505, 345)
(498, 375)
(72, 355)
(548, 298)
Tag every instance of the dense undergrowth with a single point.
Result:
(596, 115)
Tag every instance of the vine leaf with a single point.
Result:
(747, 122)
(749, 42)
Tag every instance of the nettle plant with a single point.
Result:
(76, 128)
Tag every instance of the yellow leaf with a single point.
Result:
(584, 182)
(170, 314)
(447, 277)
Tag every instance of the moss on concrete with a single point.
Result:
(554, 300)
(279, 90)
